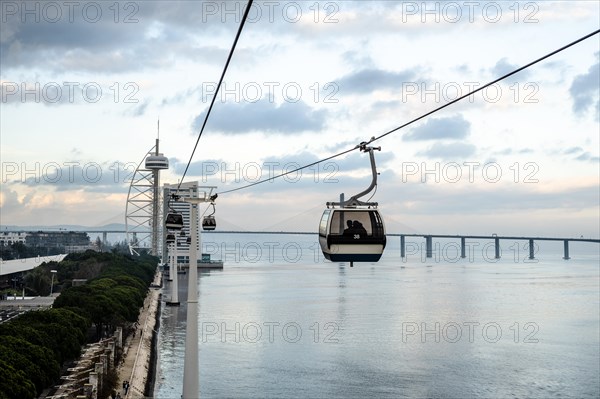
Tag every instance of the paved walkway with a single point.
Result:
(135, 363)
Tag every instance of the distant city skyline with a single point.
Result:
(83, 86)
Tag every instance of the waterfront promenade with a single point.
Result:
(135, 365)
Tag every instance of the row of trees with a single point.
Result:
(34, 345)
(114, 297)
(39, 282)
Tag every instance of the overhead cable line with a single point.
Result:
(422, 116)
(237, 36)
(288, 172)
(490, 83)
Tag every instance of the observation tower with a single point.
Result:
(143, 214)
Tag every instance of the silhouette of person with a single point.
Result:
(350, 229)
(358, 228)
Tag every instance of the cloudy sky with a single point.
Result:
(84, 83)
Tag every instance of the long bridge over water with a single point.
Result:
(463, 244)
(496, 239)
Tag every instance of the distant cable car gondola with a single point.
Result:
(209, 222)
(353, 230)
(173, 220)
(170, 238)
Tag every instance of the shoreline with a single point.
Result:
(153, 366)
(138, 363)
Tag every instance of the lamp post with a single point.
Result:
(52, 282)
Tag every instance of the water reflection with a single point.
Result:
(394, 329)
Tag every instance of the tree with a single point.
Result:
(14, 384)
(35, 343)
(74, 322)
(98, 244)
(120, 248)
(38, 363)
(21, 250)
(27, 333)
(64, 330)
(38, 280)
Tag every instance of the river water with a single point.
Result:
(281, 322)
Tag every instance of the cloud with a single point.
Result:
(106, 177)
(572, 150)
(503, 67)
(54, 94)
(182, 96)
(353, 57)
(337, 174)
(586, 156)
(41, 207)
(207, 167)
(137, 110)
(45, 43)
(511, 151)
(103, 37)
(495, 198)
(9, 199)
(340, 146)
(369, 80)
(526, 151)
(262, 116)
(505, 151)
(360, 161)
(453, 127)
(584, 90)
(581, 155)
(449, 151)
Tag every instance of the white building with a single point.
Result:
(8, 238)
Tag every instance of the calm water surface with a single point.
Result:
(281, 322)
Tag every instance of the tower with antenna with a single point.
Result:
(155, 163)
(143, 211)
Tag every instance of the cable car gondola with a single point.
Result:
(353, 230)
(352, 235)
(209, 222)
(174, 221)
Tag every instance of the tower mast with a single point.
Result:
(155, 163)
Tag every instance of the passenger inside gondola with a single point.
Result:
(355, 227)
(358, 228)
(350, 229)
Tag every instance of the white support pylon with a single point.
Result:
(191, 389)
